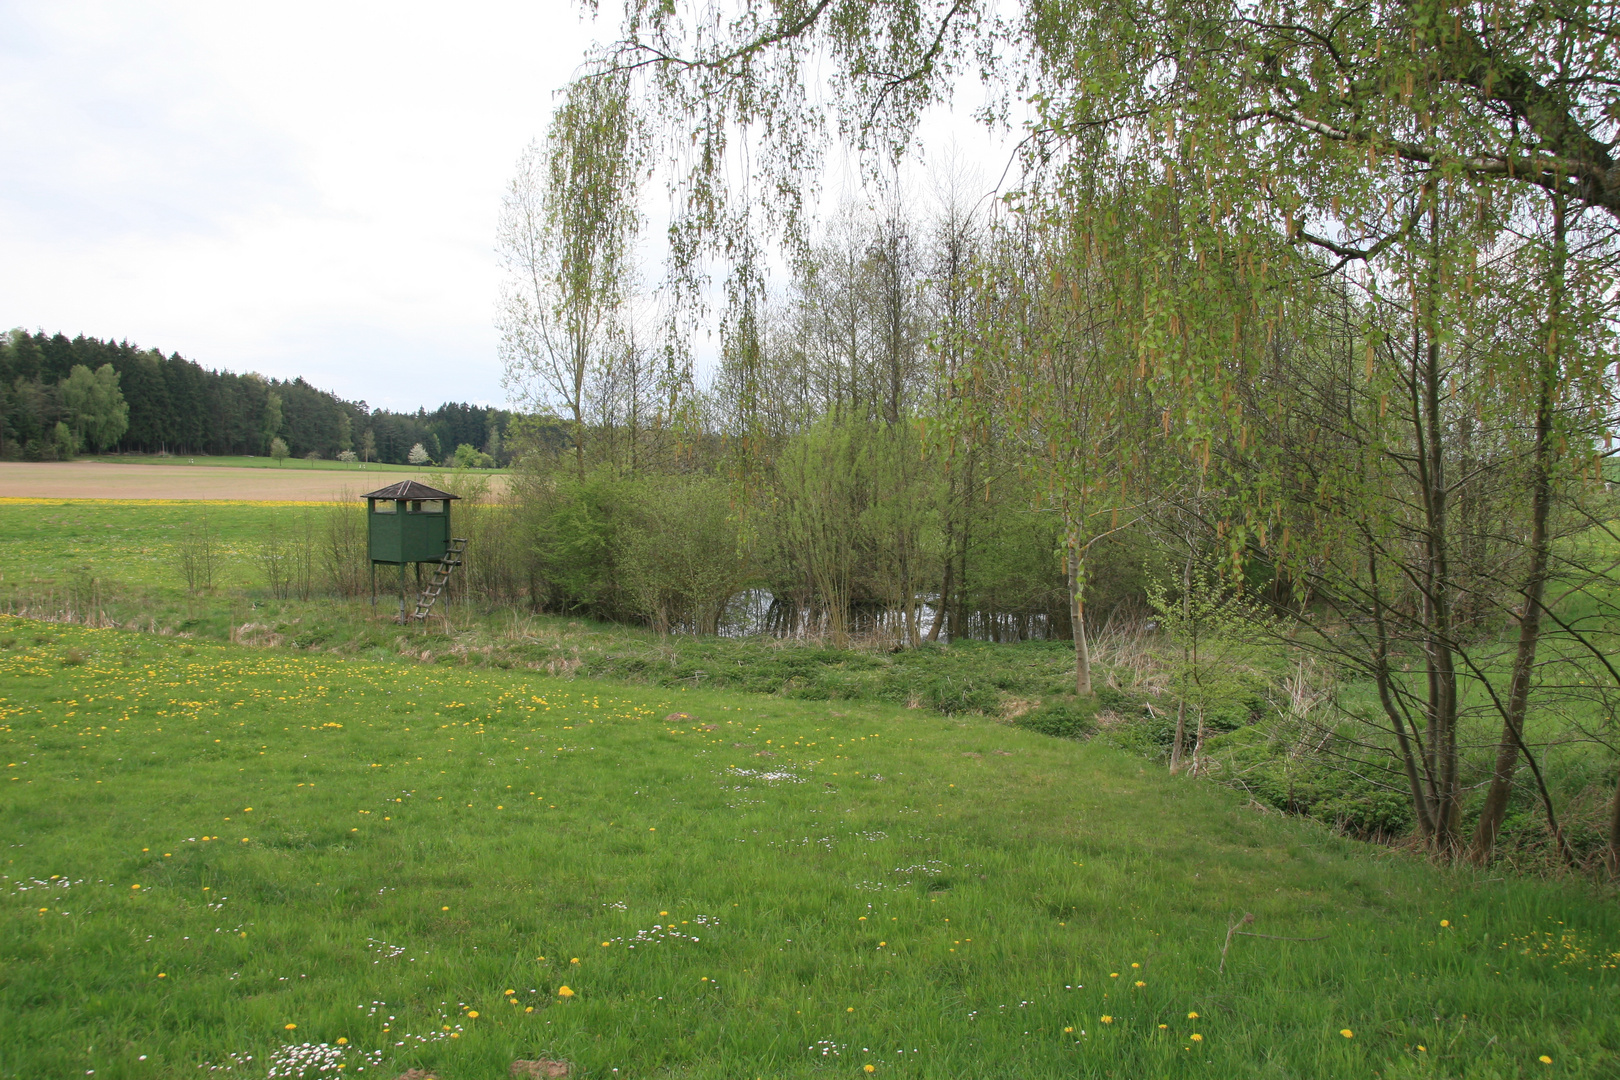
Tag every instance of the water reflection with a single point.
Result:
(759, 611)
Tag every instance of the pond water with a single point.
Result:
(758, 611)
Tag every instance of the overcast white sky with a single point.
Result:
(293, 188)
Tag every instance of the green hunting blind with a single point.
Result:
(409, 523)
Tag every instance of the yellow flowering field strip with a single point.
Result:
(229, 861)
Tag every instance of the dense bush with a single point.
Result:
(1065, 718)
(681, 556)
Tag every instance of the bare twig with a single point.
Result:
(1230, 930)
(1233, 931)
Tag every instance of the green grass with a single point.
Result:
(244, 461)
(114, 561)
(932, 897)
(127, 547)
(59, 553)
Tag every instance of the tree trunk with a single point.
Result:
(579, 442)
(1077, 613)
(1198, 742)
(959, 615)
(1507, 751)
(944, 594)
(1179, 747)
(1612, 856)
(1428, 423)
(1392, 710)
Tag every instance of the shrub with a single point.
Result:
(1123, 702)
(468, 456)
(681, 559)
(1066, 718)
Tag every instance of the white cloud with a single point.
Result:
(299, 189)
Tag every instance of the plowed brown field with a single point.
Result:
(99, 480)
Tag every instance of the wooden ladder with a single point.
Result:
(441, 575)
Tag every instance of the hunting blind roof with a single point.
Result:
(409, 490)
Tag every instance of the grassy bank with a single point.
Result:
(211, 843)
(112, 563)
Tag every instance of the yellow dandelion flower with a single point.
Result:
(1422, 1048)
(869, 1068)
(1164, 1027)
(1445, 922)
(605, 944)
(473, 1015)
(1197, 1037)
(575, 960)
(1108, 1019)
(289, 1027)
(162, 975)
(1544, 1059)
(850, 1009)
(529, 1009)
(1136, 965)
(1192, 1016)
(1139, 982)
(342, 1041)
(564, 992)
(445, 908)
(1347, 1033)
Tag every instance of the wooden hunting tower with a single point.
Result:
(410, 523)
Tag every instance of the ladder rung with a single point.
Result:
(440, 578)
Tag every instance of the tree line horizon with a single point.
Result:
(175, 405)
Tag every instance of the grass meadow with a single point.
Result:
(121, 555)
(55, 547)
(224, 861)
(114, 562)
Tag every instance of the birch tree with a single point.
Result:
(567, 229)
